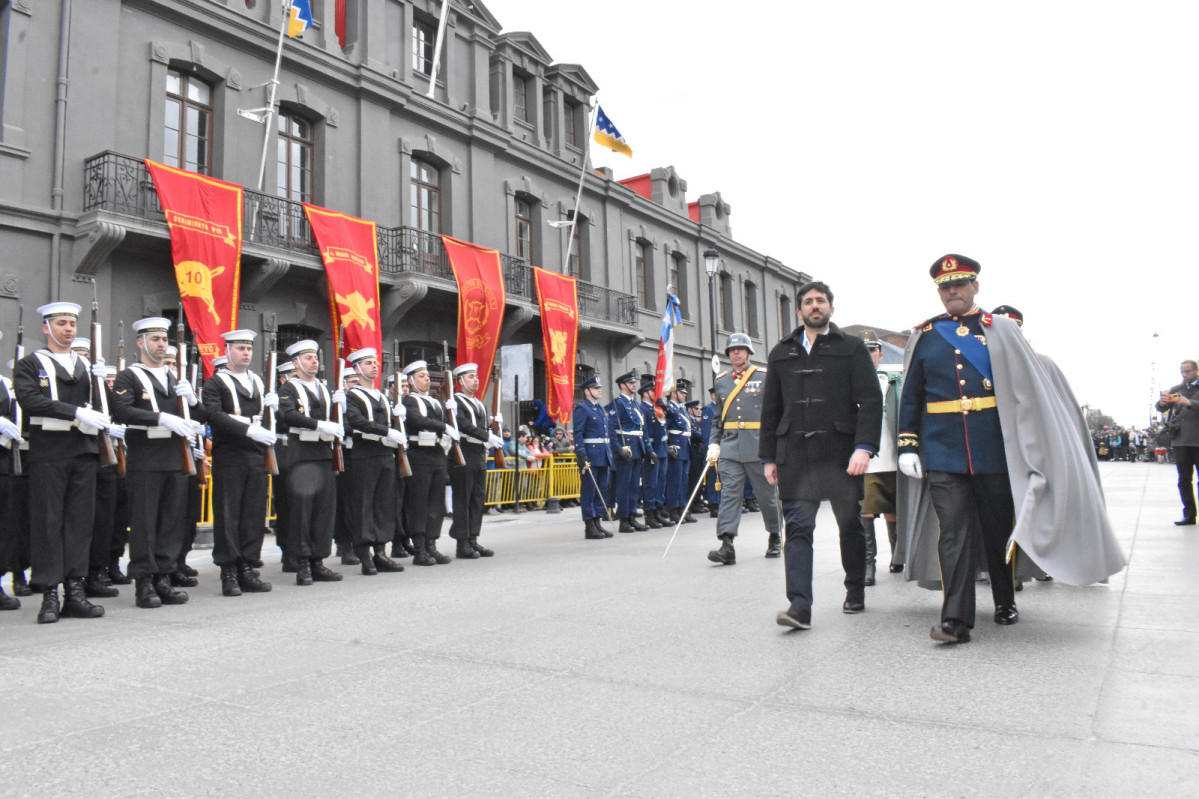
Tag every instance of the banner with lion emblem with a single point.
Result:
(558, 299)
(204, 216)
(481, 299)
(350, 252)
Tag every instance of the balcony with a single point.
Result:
(121, 184)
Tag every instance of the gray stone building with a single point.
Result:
(89, 88)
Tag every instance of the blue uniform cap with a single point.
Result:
(591, 382)
(627, 377)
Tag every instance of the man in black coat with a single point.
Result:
(1183, 403)
(821, 418)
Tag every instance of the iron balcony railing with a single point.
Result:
(122, 184)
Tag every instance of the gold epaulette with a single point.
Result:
(722, 374)
(986, 319)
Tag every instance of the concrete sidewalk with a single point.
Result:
(565, 667)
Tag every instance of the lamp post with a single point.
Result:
(711, 264)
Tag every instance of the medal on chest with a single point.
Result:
(963, 330)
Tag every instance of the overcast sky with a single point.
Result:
(1054, 142)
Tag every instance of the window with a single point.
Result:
(726, 303)
(424, 36)
(425, 196)
(547, 114)
(786, 322)
(524, 229)
(187, 133)
(642, 276)
(678, 281)
(520, 97)
(293, 172)
(751, 311)
(570, 122)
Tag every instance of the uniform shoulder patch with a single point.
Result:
(722, 374)
(986, 319)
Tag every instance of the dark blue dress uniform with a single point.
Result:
(711, 493)
(590, 423)
(678, 428)
(948, 415)
(653, 471)
(628, 431)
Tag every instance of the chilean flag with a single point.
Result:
(664, 374)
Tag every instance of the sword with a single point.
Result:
(595, 483)
(687, 507)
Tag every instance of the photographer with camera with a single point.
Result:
(1182, 426)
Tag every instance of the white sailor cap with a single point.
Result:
(286, 366)
(361, 355)
(301, 347)
(391, 379)
(465, 369)
(220, 361)
(415, 367)
(84, 344)
(172, 351)
(152, 324)
(50, 310)
(239, 337)
(110, 371)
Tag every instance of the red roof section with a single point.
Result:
(693, 211)
(639, 184)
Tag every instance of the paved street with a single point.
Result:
(564, 667)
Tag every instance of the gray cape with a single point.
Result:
(1061, 525)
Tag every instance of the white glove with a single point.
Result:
(451, 405)
(396, 436)
(339, 399)
(261, 434)
(178, 425)
(499, 419)
(117, 431)
(495, 441)
(98, 370)
(713, 453)
(184, 389)
(270, 400)
(9, 428)
(86, 416)
(399, 410)
(331, 429)
(197, 453)
(453, 433)
(909, 464)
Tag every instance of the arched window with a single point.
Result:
(187, 126)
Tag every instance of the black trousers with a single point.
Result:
(1187, 460)
(120, 521)
(972, 507)
(401, 489)
(343, 527)
(103, 522)
(425, 494)
(800, 518)
(62, 496)
(371, 497)
(157, 519)
(190, 519)
(309, 494)
(469, 486)
(14, 539)
(238, 509)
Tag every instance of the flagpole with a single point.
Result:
(445, 14)
(574, 220)
(270, 97)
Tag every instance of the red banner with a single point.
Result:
(204, 216)
(481, 299)
(349, 249)
(558, 299)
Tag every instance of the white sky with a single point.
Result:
(859, 141)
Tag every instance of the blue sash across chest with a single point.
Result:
(975, 351)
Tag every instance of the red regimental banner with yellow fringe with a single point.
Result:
(481, 299)
(558, 299)
(350, 252)
(204, 215)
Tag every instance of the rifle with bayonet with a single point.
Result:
(17, 413)
(122, 453)
(397, 397)
(339, 455)
(108, 455)
(202, 470)
(189, 460)
(451, 419)
(271, 462)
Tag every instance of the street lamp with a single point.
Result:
(711, 264)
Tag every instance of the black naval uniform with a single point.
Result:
(108, 488)
(468, 482)
(308, 488)
(12, 497)
(371, 493)
(425, 494)
(238, 480)
(155, 478)
(62, 473)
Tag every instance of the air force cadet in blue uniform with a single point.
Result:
(653, 466)
(678, 428)
(594, 455)
(628, 441)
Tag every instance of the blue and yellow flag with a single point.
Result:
(607, 134)
(299, 18)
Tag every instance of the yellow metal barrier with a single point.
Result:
(558, 478)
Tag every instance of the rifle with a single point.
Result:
(397, 396)
(122, 453)
(270, 463)
(18, 354)
(451, 419)
(189, 460)
(108, 455)
(500, 461)
(202, 470)
(339, 455)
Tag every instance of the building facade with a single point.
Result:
(90, 88)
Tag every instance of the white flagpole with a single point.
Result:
(574, 220)
(445, 15)
(270, 96)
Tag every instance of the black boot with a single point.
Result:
(464, 551)
(115, 574)
(431, 548)
(19, 586)
(651, 519)
(726, 555)
(384, 563)
(229, 586)
(322, 573)
(591, 531)
(50, 610)
(249, 582)
(348, 557)
(871, 549)
(94, 585)
(688, 519)
(181, 579)
(362, 555)
(421, 556)
(303, 571)
(484, 552)
(144, 594)
(77, 605)
(8, 602)
(400, 550)
(626, 526)
(673, 515)
(774, 547)
(638, 526)
(168, 593)
(599, 528)
(186, 571)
